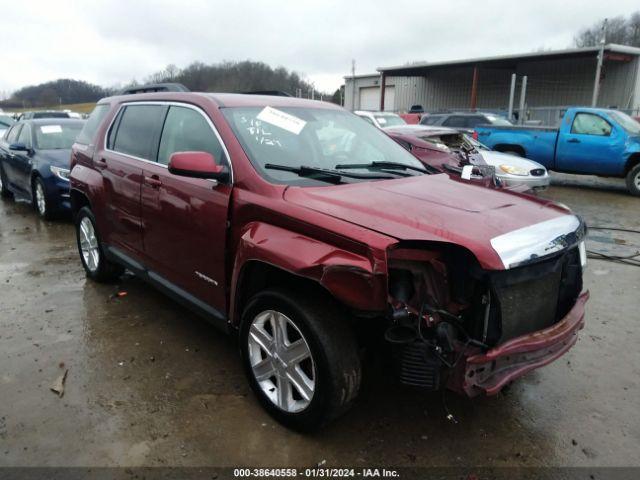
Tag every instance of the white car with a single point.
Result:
(510, 169)
(381, 119)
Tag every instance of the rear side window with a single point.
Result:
(474, 121)
(430, 119)
(186, 130)
(455, 121)
(138, 130)
(92, 124)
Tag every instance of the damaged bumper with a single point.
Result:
(490, 371)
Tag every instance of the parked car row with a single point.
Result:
(312, 236)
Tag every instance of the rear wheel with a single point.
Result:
(300, 357)
(633, 181)
(95, 264)
(4, 186)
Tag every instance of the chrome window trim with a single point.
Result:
(167, 103)
(537, 241)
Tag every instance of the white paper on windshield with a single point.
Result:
(47, 129)
(287, 122)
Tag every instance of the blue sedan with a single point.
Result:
(34, 163)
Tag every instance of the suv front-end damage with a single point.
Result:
(457, 325)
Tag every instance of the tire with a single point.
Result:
(41, 202)
(95, 264)
(333, 365)
(633, 181)
(4, 186)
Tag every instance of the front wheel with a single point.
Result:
(300, 357)
(633, 181)
(4, 186)
(41, 203)
(95, 264)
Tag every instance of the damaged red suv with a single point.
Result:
(301, 229)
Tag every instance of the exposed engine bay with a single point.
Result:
(445, 308)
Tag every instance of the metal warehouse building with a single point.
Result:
(555, 79)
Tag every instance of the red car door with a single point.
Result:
(131, 142)
(185, 218)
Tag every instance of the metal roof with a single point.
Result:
(572, 52)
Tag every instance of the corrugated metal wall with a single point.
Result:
(550, 83)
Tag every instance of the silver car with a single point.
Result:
(510, 169)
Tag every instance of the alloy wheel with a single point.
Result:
(281, 361)
(41, 201)
(89, 245)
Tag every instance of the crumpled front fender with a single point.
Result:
(356, 280)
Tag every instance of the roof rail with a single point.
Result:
(274, 93)
(155, 87)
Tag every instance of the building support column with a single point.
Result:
(383, 85)
(474, 89)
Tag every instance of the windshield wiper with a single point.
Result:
(329, 175)
(387, 165)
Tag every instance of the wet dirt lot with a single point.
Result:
(150, 384)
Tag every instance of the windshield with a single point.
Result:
(312, 137)
(498, 121)
(389, 120)
(629, 124)
(56, 136)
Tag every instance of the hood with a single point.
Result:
(432, 208)
(59, 157)
(491, 157)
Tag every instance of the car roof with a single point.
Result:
(376, 113)
(421, 129)
(49, 121)
(224, 99)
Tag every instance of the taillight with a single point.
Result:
(475, 135)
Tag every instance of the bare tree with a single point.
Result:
(621, 30)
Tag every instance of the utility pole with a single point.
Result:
(512, 94)
(596, 83)
(353, 85)
(523, 96)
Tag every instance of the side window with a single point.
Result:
(475, 120)
(430, 120)
(25, 136)
(91, 126)
(590, 124)
(12, 136)
(186, 130)
(455, 121)
(138, 130)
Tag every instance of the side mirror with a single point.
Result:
(197, 165)
(18, 147)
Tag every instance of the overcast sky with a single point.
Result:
(111, 42)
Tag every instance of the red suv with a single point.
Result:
(304, 231)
